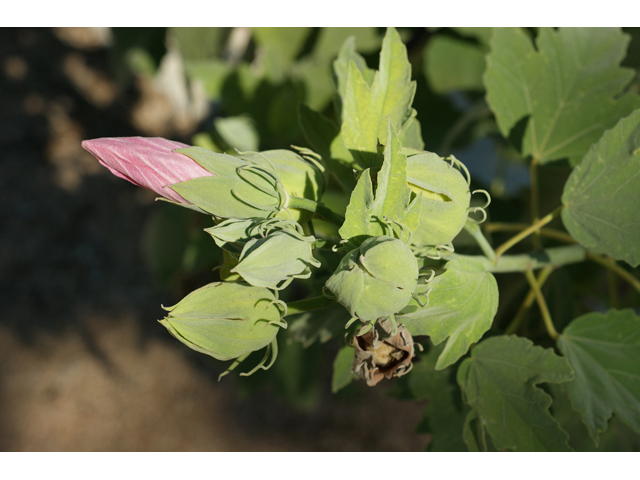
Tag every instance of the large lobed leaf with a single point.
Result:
(602, 195)
(498, 382)
(366, 106)
(462, 304)
(567, 87)
(604, 351)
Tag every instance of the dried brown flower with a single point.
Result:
(379, 354)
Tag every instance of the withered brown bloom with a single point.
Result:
(379, 354)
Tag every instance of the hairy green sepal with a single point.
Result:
(225, 320)
(375, 280)
(445, 198)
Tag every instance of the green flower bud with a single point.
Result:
(301, 177)
(445, 198)
(239, 189)
(375, 280)
(225, 320)
(276, 259)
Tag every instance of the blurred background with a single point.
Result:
(87, 259)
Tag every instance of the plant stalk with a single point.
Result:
(544, 310)
(308, 304)
(526, 232)
(517, 227)
(474, 230)
(553, 256)
(317, 208)
(612, 265)
(528, 301)
(535, 203)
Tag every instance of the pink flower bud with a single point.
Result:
(147, 162)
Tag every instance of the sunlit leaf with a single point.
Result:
(462, 304)
(366, 107)
(567, 87)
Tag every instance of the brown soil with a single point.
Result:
(83, 363)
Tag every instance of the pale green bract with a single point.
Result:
(445, 198)
(252, 185)
(375, 280)
(225, 320)
(275, 260)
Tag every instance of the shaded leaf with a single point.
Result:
(324, 137)
(452, 64)
(602, 195)
(443, 416)
(567, 87)
(462, 304)
(342, 375)
(498, 382)
(604, 351)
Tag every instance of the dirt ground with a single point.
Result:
(84, 366)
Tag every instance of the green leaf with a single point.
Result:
(346, 56)
(444, 415)
(604, 351)
(498, 382)
(238, 132)
(452, 64)
(602, 195)
(342, 375)
(366, 214)
(366, 107)
(318, 325)
(462, 304)
(332, 39)
(324, 137)
(567, 87)
(280, 47)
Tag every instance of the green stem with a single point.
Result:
(528, 231)
(308, 304)
(528, 301)
(535, 203)
(546, 316)
(315, 207)
(615, 268)
(474, 230)
(517, 227)
(554, 256)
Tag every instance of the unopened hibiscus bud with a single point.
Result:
(300, 176)
(225, 320)
(151, 163)
(445, 198)
(375, 280)
(379, 354)
(275, 260)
